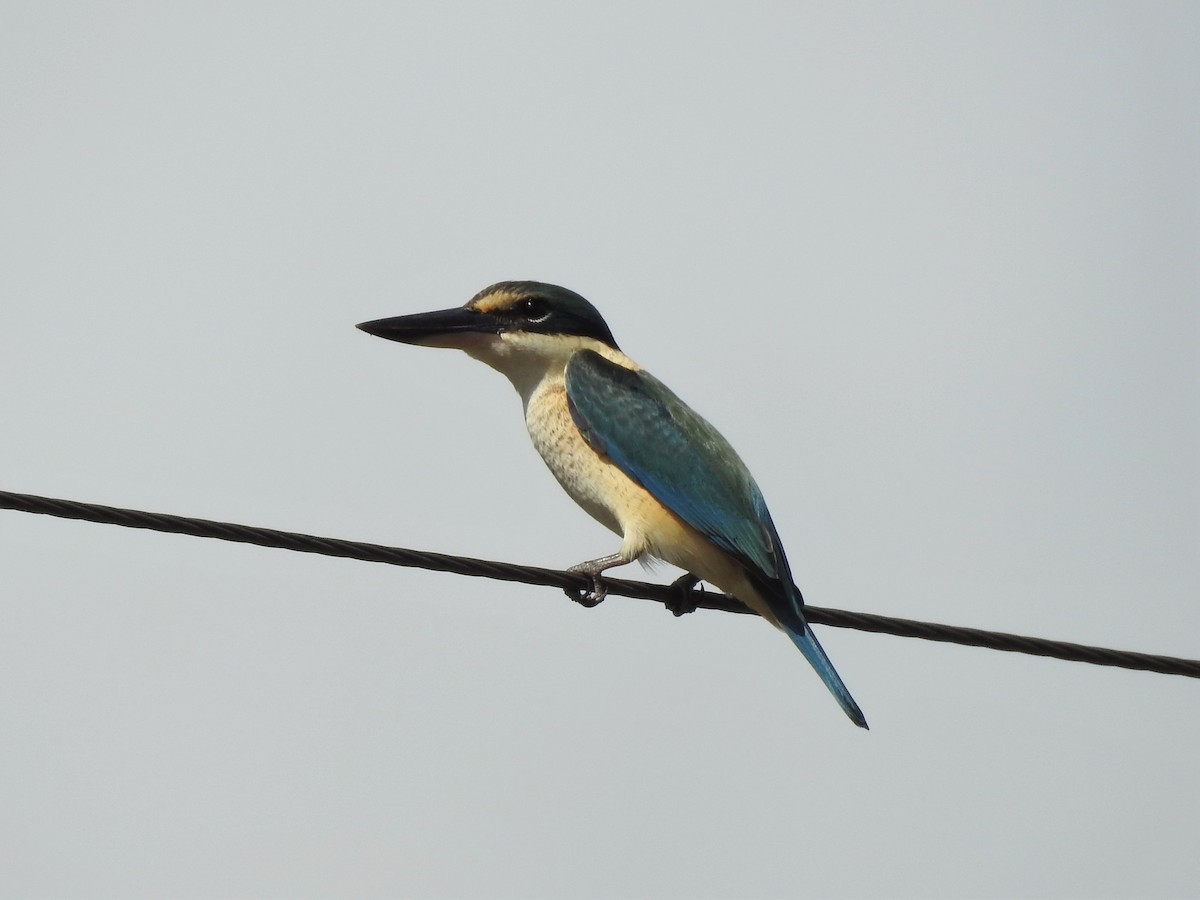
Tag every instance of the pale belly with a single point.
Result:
(594, 483)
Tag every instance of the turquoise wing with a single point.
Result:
(661, 443)
(666, 447)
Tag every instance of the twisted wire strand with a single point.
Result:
(504, 571)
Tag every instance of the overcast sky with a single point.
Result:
(932, 268)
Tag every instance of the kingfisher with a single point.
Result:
(625, 448)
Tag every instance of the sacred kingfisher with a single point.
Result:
(626, 449)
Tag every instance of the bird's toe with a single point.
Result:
(682, 601)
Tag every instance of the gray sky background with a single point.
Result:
(933, 269)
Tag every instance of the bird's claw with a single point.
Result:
(683, 603)
(589, 599)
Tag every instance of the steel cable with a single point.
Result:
(504, 571)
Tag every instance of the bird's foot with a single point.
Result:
(593, 568)
(588, 599)
(683, 603)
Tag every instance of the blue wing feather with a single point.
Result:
(679, 457)
(661, 443)
(655, 438)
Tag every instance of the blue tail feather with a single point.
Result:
(811, 648)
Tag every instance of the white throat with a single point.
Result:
(531, 361)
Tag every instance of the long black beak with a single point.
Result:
(444, 328)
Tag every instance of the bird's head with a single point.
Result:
(508, 322)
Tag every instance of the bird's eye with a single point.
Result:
(532, 308)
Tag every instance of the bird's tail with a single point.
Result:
(811, 648)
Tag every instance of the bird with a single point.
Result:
(628, 451)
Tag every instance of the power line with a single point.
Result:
(571, 582)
